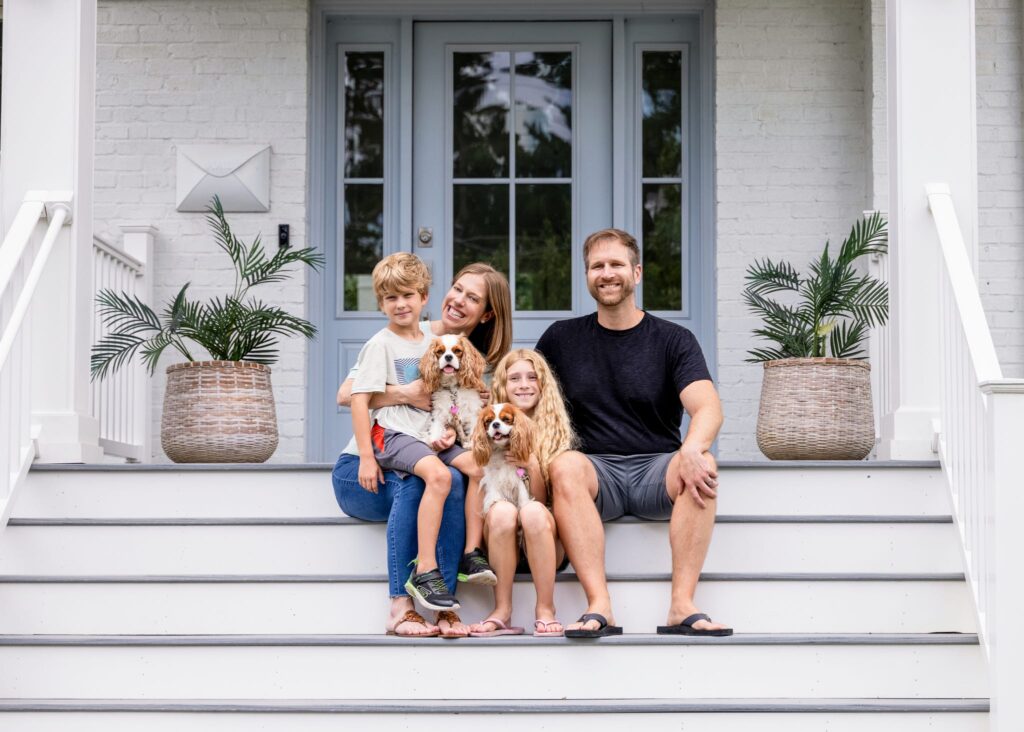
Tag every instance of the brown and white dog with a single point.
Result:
(452, 370)
(503, 430)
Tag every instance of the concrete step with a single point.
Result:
(655, 715)
(317, 667)
(344, 546)
(358, 605)
(166, 491)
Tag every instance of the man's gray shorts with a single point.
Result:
(632, 485)
(401, 452)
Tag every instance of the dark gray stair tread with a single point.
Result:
(349, 521)
(326, 467)
(628, 639)
(561, 577)
(515, 706)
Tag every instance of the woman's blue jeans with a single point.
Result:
(398, 502)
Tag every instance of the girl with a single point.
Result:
(524, 379)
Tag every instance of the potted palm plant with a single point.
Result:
(816, 391)
(219, 409)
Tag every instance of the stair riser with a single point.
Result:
(360, 549)
(305, 493)
(354, 608)
(470, 670)
(715, 722)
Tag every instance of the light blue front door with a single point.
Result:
(512, 157)
(501, 142)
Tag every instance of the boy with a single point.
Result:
(401, 282)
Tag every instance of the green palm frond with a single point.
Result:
(834, 306)
(767, 277)
(230, 328)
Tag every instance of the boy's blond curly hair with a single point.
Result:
(400, 272)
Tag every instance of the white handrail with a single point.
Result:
(22, 264)
(13, 326)
(964, 287)
(981, 433)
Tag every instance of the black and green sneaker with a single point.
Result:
(475, 570)
(431, 591)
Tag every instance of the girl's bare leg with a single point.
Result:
(500, 526)
(539, 533)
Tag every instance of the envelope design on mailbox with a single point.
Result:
(238, 174)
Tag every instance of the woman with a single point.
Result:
(477, 305)
(524, 379)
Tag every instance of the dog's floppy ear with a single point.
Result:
(481, 442)
(471, 369)
(521, 441)
(429, 371)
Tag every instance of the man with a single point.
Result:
(627, 377)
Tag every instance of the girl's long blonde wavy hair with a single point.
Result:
(552, 433)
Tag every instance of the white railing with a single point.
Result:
(23, 257)
(981, 447)
(880, 352)
(120, 401)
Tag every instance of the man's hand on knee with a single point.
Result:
(698, 475)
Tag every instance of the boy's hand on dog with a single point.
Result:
(370, 474)
(445, 442)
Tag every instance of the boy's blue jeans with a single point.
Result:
(398, 502)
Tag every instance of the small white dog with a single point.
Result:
(452, 370)
(503, 430)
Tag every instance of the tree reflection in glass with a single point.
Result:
(662, 232)
(543, 247)
(364, 242)
(364, 114)
(480, 226)
(481, 104)
(662, 110)
(543, 114)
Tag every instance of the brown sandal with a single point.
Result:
(414, 617)
(450, 617)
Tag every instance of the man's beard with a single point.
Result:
(611, 299)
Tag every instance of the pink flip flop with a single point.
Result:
(500, 628)
(540, 629)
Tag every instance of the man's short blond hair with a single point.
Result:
(623, 237)
(400, 272)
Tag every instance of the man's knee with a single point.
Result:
(568, 473)
(712, 463)
(437, 478)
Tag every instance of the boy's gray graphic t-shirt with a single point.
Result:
(388, 359)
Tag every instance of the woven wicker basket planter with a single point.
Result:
(218, 412)
(816, 409)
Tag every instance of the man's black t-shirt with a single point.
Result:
(623, 386)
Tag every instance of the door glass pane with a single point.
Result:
(543, 247)
(543, 114)
(364, 242)
(364, 114)
(662, 112)
(480, 231)
(482, 90)
(662, 232)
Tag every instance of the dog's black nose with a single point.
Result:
(447, 357)
(495, 424)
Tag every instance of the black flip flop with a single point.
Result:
(686, 628)
(601, 631)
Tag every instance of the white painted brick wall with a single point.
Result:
(998, 40)
(792, 161)
(176, 72)
(1001, 176)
